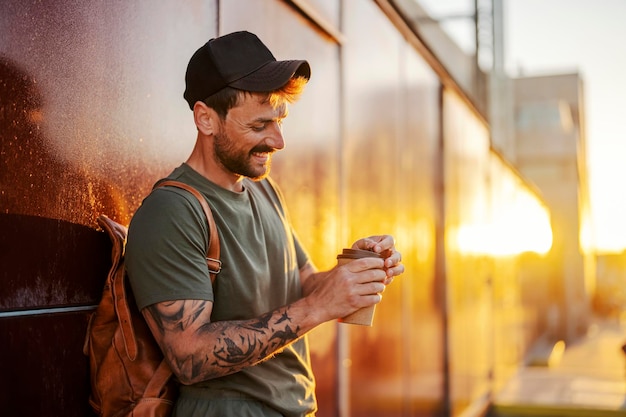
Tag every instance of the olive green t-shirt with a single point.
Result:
(261, 258)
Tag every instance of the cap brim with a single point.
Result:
(273, 76)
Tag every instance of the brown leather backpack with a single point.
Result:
(129, 376)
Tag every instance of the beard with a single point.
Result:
(239, 161)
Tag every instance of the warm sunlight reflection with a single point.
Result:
(520, 224)
(604, 231)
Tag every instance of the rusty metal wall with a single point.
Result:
(391, 114)
(91, 114)
(92, 102)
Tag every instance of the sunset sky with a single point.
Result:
(565, 36)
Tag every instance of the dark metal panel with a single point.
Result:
(50, 263)
(43, 371)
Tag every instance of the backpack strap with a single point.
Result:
(213, 250)
(162, 374)
(117, 233)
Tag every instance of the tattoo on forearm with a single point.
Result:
(250, 336)
(236, 345)
(233, 354)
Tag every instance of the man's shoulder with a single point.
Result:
(168, 197)
(167, 206)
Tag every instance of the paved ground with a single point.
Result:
(588, 378)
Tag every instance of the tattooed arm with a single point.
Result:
(198, 349)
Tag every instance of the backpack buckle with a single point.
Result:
(215, 265)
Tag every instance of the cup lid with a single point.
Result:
(358, 253)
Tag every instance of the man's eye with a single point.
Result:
(258, 128)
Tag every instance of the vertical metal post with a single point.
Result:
(441, 281)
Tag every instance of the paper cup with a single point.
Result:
(363, 316)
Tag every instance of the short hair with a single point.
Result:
(229, 97)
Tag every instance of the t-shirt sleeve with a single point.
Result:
(166, 249)
(301, 254)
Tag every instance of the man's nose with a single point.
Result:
(275, 136)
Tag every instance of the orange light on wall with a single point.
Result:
(519, 223)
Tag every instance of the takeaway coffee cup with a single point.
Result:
(363, 316)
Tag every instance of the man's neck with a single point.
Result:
(211, 171)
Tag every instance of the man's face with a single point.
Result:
(249, 136)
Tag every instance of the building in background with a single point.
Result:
(538, 124)
(550, 150)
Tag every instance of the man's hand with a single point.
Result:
(385, 245)
(344, 289)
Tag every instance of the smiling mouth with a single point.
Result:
(262, 156)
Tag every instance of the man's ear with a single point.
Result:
(206, 118)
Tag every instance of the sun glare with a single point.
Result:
(520, 225)
(605, 231)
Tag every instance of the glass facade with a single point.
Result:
(390, 159)
(494, 224)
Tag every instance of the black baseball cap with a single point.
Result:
(239, 60)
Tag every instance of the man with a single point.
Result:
(238, 348)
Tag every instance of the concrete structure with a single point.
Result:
(550, 150)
